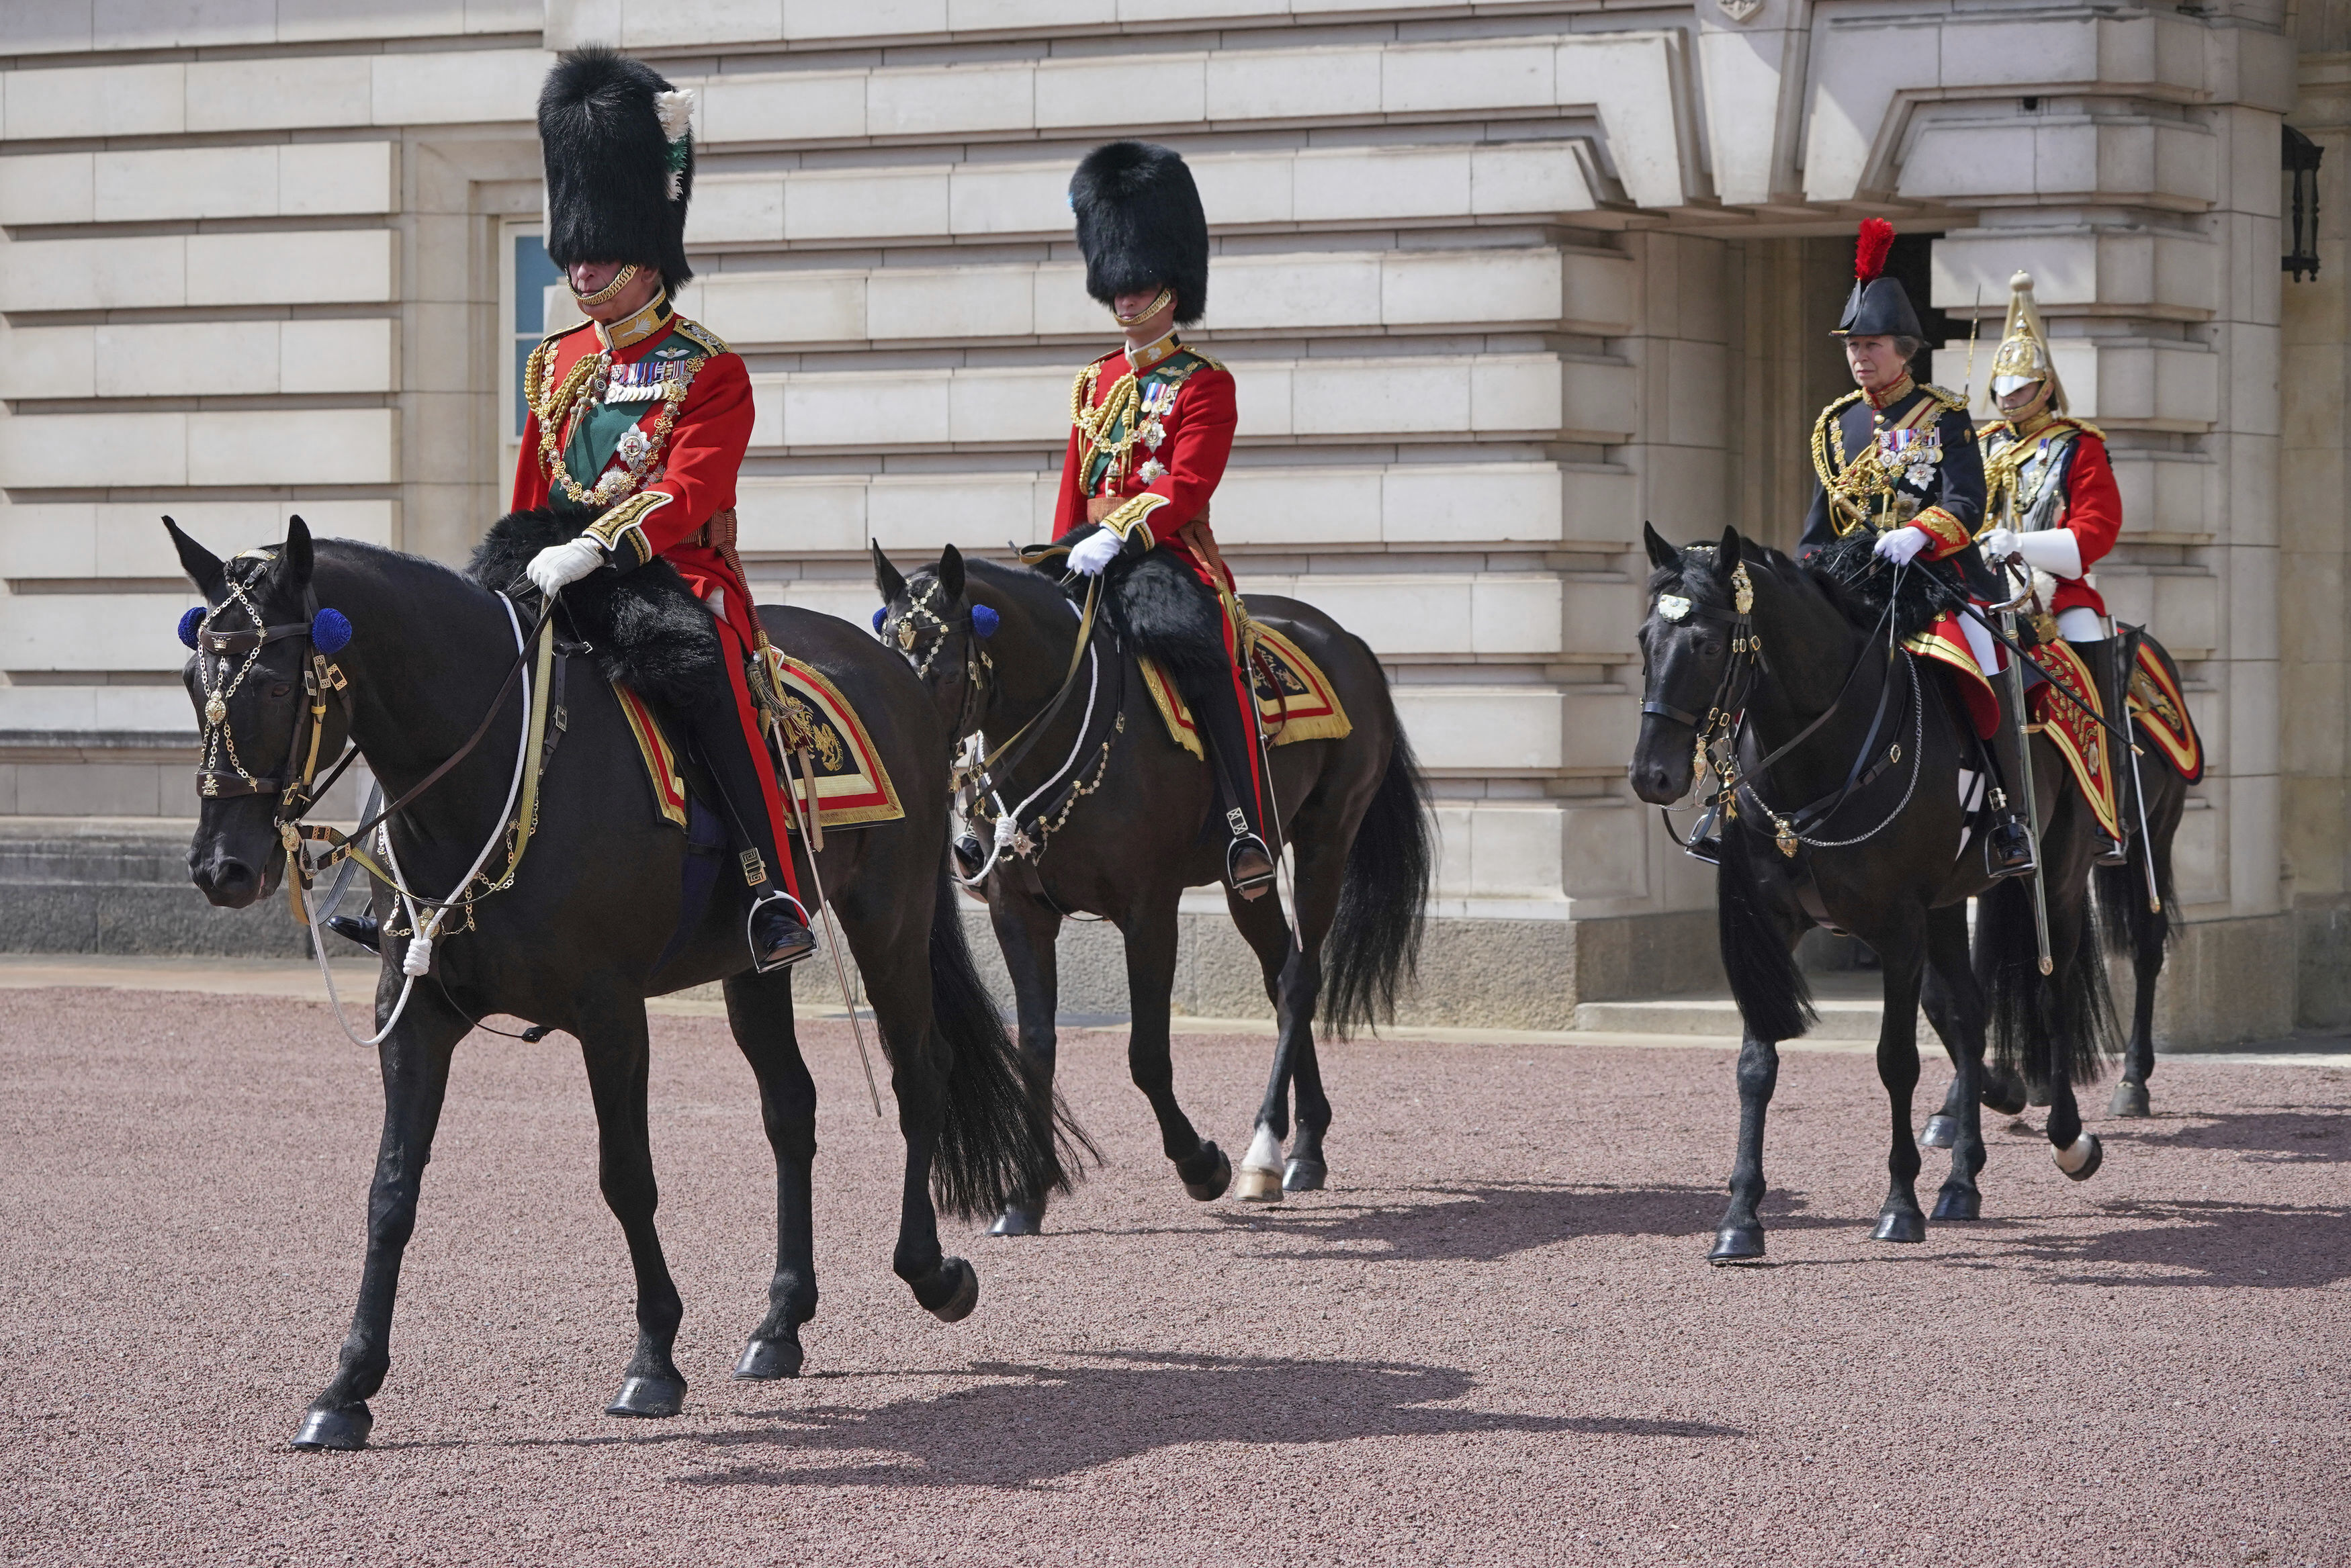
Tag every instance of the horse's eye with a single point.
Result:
(280, 691)
(1712, 649)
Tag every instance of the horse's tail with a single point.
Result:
(1005, 1133)
(1775, 1001)
(1374, 947)
(2025, 1009)
(2130, 927)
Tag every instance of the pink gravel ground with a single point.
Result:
(1491, 1342)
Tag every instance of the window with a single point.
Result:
(526, 274)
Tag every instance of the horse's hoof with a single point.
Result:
(1959, 1203)
(1941, 1132)
(2131, 1100)
(2081, 1162)
(1219, 1179)
(1018, 1221)
(1900, 1225)
(964, 1297)
(1738, 1245)
(341, 1427)
(2004, 1095)
(1305, 1175)
(1257, 1186)
(765, 1360)
(650, 1397)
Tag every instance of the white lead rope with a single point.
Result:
(418, 960)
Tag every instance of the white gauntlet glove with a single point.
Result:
(1902, 545)
(1095, 552)
(558, 565)
(1997, 543)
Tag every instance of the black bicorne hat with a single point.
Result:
(1140, 226)
(1878, 305)
(619, 163)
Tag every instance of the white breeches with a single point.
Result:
(2081, 624)
(1980, 644)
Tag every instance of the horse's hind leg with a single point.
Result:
(1900, 955)
(1955, 1007)
(1261, 923)
(1150, 932)
(618, 1054)
(2148, 931)
(1027, 930)
(896, 963)
(414, 1059)
(760, 1009)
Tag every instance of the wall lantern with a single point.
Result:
(2299, 159)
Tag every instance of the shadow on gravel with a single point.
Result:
(2280, 1138)
(1036, 1424)
(2202, 1243)
(1488, 1223)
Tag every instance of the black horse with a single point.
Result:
(1847, 818)
(1140, 828)
(573, 945)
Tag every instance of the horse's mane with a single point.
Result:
(1846, 573)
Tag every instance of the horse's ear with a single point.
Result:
(1727, 557)
(1661, 554)
(951, 573)
(204, 568)
(297, 560)
(886, 577)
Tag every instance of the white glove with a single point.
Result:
(1901, 546)
(1997, 543)
(1095, 552)
(560, 564)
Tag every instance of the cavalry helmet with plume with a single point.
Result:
(619, 147)
(1878, 306)
(2023, 357)
(1141, 225)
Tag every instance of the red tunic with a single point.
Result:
(2089, 503)
(693, 480)
(1198, 439)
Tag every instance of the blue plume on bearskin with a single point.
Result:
(189, 620)
(330, 631)
(983, 621)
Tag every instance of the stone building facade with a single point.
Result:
(1499, 283)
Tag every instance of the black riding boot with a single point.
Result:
(778, 926)
(1231, 742)
(2099, 656)
(2008, 846)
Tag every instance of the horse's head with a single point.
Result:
(260, 647)
(938, 631)
(1686, 658)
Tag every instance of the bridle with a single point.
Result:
(1718, 733)
(296, 782)
(978, 669)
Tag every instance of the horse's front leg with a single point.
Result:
(1292, 980)
(899, 979)
(619, 1057)
(2150, 930)
(1029, 932)
(1739, 1238)
(1149, 928)
(414, 1061)
(2074, 1148)
(1956, 1007)
(760, 1009)
(1900, 955)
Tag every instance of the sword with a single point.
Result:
(2024, 780)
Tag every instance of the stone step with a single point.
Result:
(1842, 1017)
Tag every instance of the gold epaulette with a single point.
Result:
(1945, 396)
(698, 335)
(2084, 426)
(1203, 358)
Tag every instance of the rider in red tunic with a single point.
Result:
(1150, 428)
(638, 422)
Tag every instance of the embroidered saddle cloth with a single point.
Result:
(852, 787)
(2075, 733)
(1294, 698)
(2161, 709)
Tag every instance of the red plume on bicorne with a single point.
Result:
(1870, 251)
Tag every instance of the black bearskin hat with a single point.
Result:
(619, 163)
(1878, 306)
(1140, 226)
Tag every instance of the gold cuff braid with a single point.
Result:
(1130, 514)
(621, 526)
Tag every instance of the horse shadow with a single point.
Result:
(2296, 1137)
(1486, 1222)
(2199, 1242)
(1029, 1424)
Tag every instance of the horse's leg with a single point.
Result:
(619, 1057)
(1261, 923)
(1900, 955)
(759, 1010)
(2148, 929)
(2075, 1149)
(898, 981)
(415, 1060)
(1029, 931)
(1957, 1010)
(1739, 1238)
(1150, 932)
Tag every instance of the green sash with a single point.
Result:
(1168, 373)
(598, 434)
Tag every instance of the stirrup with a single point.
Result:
(2008, 850)
(1253, 882)
(790, 945)
(2112, 851)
